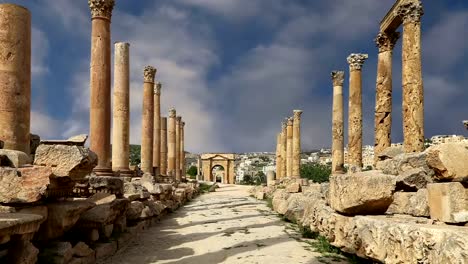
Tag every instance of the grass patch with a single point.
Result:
(204, 187)
(307, 233)
(269, 202)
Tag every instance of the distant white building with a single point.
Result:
(440, 139)
(265, 169)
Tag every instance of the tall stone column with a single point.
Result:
(383, 97)
(413, 91)
(121, 111)
(278, 156)
(157, 130)
(289, 147)
(171, 143)
(296, 156)
(147, 120)
(356, 61)
(15, 77)
(163, 156)
(199, 170)
(182, 150)
(100, 84)
(284, 143)
(337, 123)
(177, 153)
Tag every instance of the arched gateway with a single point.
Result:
(211, 160)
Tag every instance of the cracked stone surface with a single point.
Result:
(226, 226)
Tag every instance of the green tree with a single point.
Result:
(192, 171)
(316, 172)
(135, 154)
(247, 180)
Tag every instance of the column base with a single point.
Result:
(125, 173)
(103, 171)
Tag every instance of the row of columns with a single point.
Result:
(413, 98)
(288, 147)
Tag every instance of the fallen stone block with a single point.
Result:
(82, 250)
(260, 195)
(390, 153)
(448, 161)
(404, 162)
(106, 184)
(18, 224)
(369, 192)
(56, 253)
(23, 185)
(37, 210)
(295, 210)
(134, 190)
(73, 161)
(22, 252)
(13, 158)
(415, 178)
(448, 202)
(280, 201)
(410, 203)
(108, 209)
(134, 210)
(294, 187)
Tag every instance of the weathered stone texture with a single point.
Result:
(448, 202)
(410, 203)
(296, 141)
(449, 161)
(147, 120)
(24, 185)
(13, 158)
(157, 128)
(337, 123)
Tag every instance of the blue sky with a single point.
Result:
(235, 68)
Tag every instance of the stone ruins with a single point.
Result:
(62, 202)
(414, 207)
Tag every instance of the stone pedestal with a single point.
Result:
(147, 121)
(182, 150)
(355, 112)
(296, 156)
(289, 147)
(413, 94)
(171, 143)
(383, 98)
(337, 123)
(15, 77)
(278, 156)
(270, 177)
(157, 130)
(177, 152)
(283, 148)
(100, 74)
(121, 113)
(163, 161)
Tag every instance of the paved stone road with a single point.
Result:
(227, 226)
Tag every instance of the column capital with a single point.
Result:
(148, 74)
(356, 60)
(465, 123)
(101, 8)
(297, 114)
(284, 124)
(183, 124)
(178, 119)
(338, 78)
(410, 12)
(290, 121)
(386, 41)
(157, 89)
(172, 112)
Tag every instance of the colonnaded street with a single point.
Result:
(226, 226)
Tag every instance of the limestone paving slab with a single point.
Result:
(225, 226)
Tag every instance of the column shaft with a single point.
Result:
(182, 150)
(289, 148)
(147, 121)
(163, 161)
(121, 111)
(296, 156)
(337, 123)
(177, 152)
(278, 156)
(15, 77)
(157, 130)
(171, 143)
(284, 140)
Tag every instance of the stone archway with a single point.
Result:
(211, 160)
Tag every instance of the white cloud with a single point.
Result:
(39, 53)
(44, 125)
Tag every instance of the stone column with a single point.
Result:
(278, 156)
(177, 152)
(157, 130)
(163, 156)
(15, 77)
(337, 123)
(284, 143)
(100, 84)
(383, 97)
(289, 147)
(355, 111)
(121, 111)
(182, 151)
(413, 91)
(147, 120)
(296, 156)
(199, 169)
(171, 143)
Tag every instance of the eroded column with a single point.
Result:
(171, 143)
(15, 77)
(337, 123)
(278, 156)
(100, 83)
(121, 110)
(157, 130)
(163, 156)
(284, 140)
(147, 120)
(177, 152)
(289, 148)
(383, 97)
(356, 61)
(296, 156)
(182, 150)
(413, 91)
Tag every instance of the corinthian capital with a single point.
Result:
(172, 112)
(101, 8)
(157, 89)
(148, 74)
(386, 41)
(179, 119)
(410, 12)
(290, 121)
(338, 78)
(356, 60)
(284, 124)
(297, 115)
